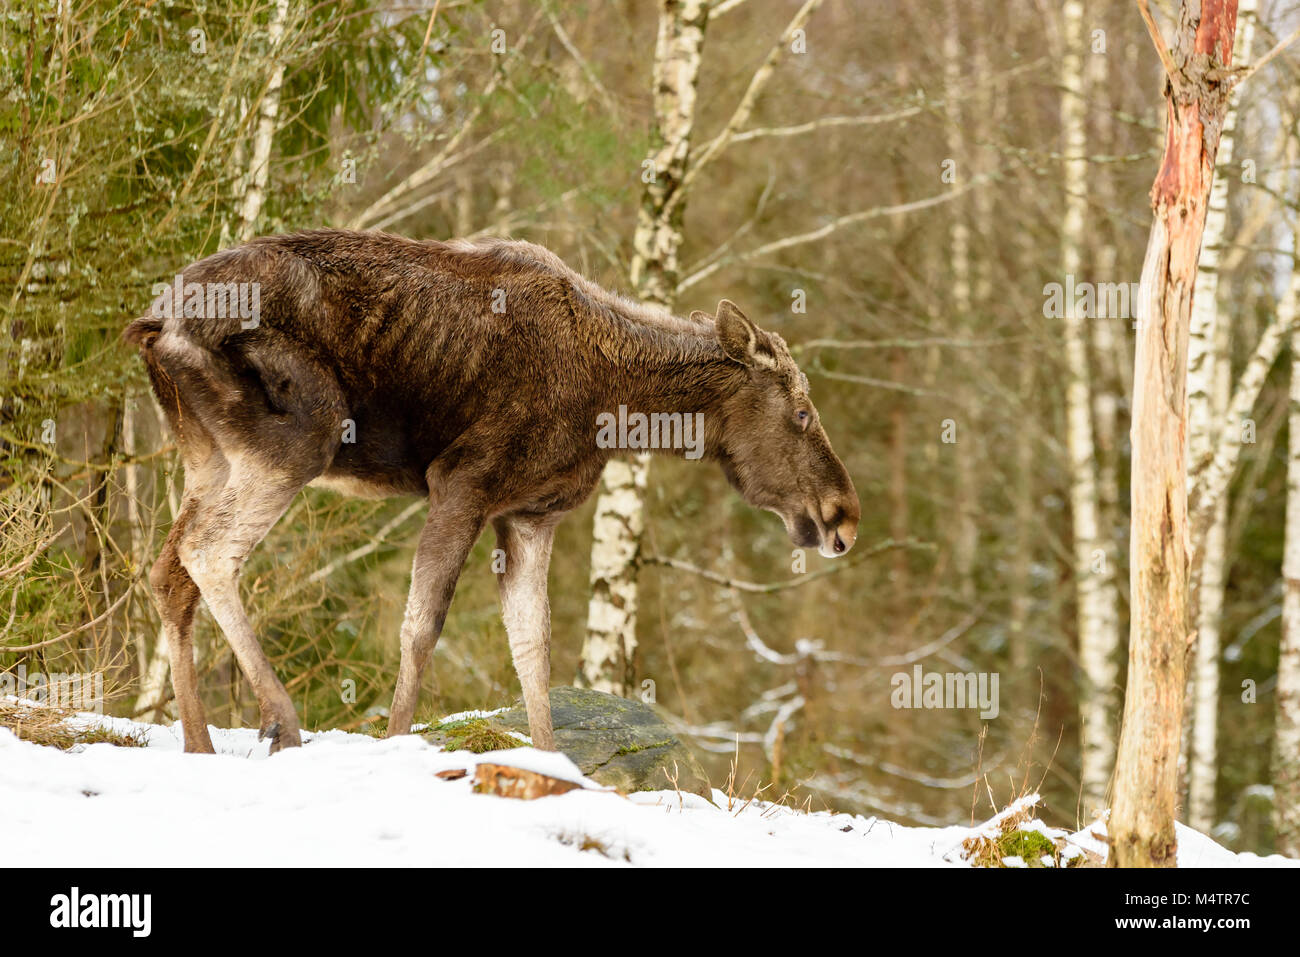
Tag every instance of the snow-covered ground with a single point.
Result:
(348, 799)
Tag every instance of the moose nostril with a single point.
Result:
(839, 545)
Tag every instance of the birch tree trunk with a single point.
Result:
(1209, 390)
(153, 676)
(1141, 825)
(1217, 475)
(1203, 687)
(239, 182)
(1098, 613)
(1105, 384)
(260, 166)
(966, 535)
(1286, 732)
(609, 646)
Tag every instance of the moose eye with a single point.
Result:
(802, 417)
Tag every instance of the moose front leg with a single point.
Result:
(448, 534)
(527, 614)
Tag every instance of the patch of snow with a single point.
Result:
(464, 716)
(1194, 849)
(352, 800)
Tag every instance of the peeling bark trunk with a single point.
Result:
(1203, 350)
(1094, 564)
(609, 647)
(1141, 825)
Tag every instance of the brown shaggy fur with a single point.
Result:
(472, 373)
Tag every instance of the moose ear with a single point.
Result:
(698, 316)
(741, 340)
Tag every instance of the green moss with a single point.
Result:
(1029, 846)
(474, 734)
(634, 748)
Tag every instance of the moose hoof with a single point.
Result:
(281, 737)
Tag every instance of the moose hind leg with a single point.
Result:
(176, 594)
(527, 614)
(177, 597)
(224, 532)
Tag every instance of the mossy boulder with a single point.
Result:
(616, 741)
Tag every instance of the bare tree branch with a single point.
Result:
(747, 102)
(1158, 41)
(823, 231)
(1254, 67)
(765, 588)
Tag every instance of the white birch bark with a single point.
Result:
(239, 181)
(1227, 449)
(1094, 560)
(154, 671)
(1106, 385)
(131, 487)
(153, 684)
(609, 646)
(1209, 390)
(1286, 729)
(1286, 733)
(153, 665)
(260, 166)
(1203, 762)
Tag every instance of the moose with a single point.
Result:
(472, 373)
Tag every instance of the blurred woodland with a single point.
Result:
(893, 187)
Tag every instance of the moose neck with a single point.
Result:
(664, 375)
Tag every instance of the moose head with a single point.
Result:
(773, 448)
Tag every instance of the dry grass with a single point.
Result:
(1014, 832)
(585, 842)
(50, 727)
(741, 795)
